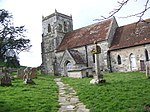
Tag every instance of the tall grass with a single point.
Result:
(122, 92)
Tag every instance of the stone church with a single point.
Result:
(67, 52)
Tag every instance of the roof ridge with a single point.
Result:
(92, 24)
(131, 35)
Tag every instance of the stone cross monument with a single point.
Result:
(98, 76)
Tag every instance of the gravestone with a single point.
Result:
(1, 73)
(20, 73)
(98, 76)
(27, 73)
(5, 80)
(2, 69)
(33, 73)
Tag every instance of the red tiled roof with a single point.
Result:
(86, 35)
(131, 35)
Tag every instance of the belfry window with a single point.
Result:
(49, 28)
(119, 59)
(146, 55)
(65, 26)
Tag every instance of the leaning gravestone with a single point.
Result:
(5, 80)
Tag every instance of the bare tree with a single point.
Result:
(121, 4)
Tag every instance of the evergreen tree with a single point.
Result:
(11, 37)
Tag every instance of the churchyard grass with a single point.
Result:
(41, 97)
(122, 92)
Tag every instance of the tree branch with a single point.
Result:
(140, 14)
(116, 10)
(120, 6)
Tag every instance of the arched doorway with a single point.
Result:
(133, 64)
(68, 66)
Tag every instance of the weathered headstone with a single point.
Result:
(5, 80)
(20, 73)
(33, 73)
(98, 76)
(27, 73)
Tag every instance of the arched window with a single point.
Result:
(93, 58)
(49, 28)
(119, 59)
(146, 55)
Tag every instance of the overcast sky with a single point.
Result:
(29, 13)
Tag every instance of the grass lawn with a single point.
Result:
(41, 97)
(122, 92)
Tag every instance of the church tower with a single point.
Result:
(54, 28)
